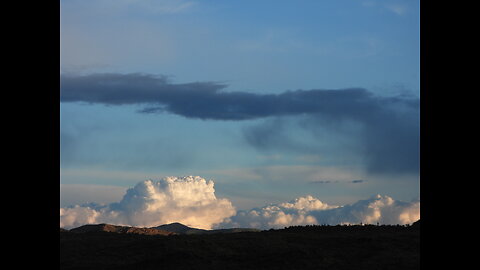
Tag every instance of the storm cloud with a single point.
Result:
(389, 131)
(204, 100)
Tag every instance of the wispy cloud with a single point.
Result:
(149, 6)
(73, 194)
(336, 181)
(357, 181)
(399, 8)
(98, 173)
(324, 182)
(310, 173)
(396, 8)
(166, 6)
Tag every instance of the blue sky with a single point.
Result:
(260, 49)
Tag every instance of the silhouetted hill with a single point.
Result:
(118, 229)
(416, 224)
(233, 230)
(183, 229)
(297, 247)
(180, 228)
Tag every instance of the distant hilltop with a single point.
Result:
(118, 229)
(166, 229)
(182, 229)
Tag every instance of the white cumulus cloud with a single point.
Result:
(296, 212)
(189, 200)
(309, 210)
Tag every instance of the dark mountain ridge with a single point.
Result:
(179, 228)
(357, 247)
(183, 229)
(166, 229)
(118, 229)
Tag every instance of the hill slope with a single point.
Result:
(182, 229)
(118, 229)
(300, 247)
(179, 228)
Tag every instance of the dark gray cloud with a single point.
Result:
(390, 125)
(386, 131)
(357, 181)
(324, 182)
(204, 100)
(336, 181)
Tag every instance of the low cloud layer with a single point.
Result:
(188, 200)
(191, 200)
(309, 210)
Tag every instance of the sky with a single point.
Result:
(272, 101)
